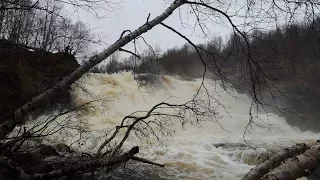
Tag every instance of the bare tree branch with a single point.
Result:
(19, 116)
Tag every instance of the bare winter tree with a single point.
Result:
(41, 25)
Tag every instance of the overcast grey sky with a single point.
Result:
(130, 14)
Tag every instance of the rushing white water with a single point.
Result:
(190, 153)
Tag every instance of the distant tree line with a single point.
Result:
(42, 24)
(287, 55)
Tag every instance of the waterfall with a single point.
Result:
(212, 149)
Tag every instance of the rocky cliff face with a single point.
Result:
(24, 74)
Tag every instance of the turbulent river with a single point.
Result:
(209, 150)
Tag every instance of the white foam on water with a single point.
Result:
(190, 153)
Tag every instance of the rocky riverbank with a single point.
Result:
(25, 73)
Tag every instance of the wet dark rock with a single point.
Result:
(30, 162)
(62, 148)
(46, 150)
(148, 78)
(229, 145)
(315, 175)
(44, 158)
(25, 158)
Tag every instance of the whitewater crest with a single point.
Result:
(213, 149)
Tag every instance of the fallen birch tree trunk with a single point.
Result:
(265, 167)
(296, 167)
(73, 165)
(20, 114)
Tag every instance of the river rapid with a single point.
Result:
(213, 149)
